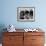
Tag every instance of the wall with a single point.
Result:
(8, 13)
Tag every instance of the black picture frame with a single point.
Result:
(26, 14)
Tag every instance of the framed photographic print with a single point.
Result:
(26, 14)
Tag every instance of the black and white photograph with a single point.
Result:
(26, 14)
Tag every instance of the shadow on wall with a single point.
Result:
(2, 26)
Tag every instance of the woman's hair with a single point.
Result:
(26, 12)
(22, 13)
(31, 12)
